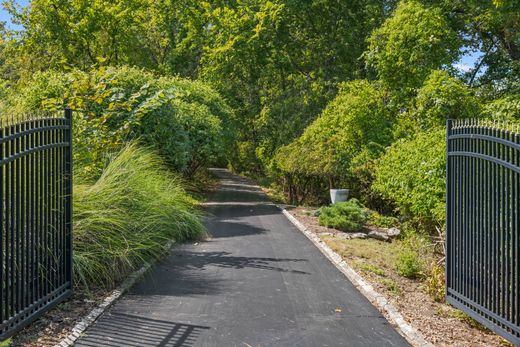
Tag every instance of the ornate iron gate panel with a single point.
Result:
(35, 217)
(483, 217)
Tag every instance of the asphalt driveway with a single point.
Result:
(257, 282)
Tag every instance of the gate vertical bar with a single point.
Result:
(68, 196)
(3, 258)
(449, 204)
(482, 221)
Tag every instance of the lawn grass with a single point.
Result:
(380, 254)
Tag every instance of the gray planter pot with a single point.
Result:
(338, 195)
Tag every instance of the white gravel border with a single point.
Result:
(378, 300)
(96, 312)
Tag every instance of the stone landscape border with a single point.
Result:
(378, 300)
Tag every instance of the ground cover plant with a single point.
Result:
(348, 216)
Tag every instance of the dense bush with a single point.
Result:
(187, 122)
(356, 120)
(408, 263)
(128, 216)
(412, 174)
(353, 129)
(506, 108)
(348, 216)
(376, 219)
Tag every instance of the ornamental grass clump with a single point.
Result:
(349, 216)
(127, 217)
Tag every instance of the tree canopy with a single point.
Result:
(314, 87)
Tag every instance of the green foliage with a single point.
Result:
(492, 27)
(187, 122)
(411, 258)
(346, 216)
(408, 263)
(353, 128)
(506, 108)
(279, 62)
(79, 34)
(338, 147)
(415, 40)
(412, 175)
(127, 217)
(444, 97)
(379, 220)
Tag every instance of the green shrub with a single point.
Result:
(444, 97)
(355, 123)
(378, 220)
(187, 122)
(127, 217)
(413, 256)
(412, 173)
(347, 216)
(408, 263)
(506, 108)
(336, 149)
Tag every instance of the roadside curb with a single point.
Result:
(96, 312)
(378, 300)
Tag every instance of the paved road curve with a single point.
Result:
(257, 282)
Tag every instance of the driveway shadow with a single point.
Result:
(230, 228)
(235, 211)
(120, 329)
(189, 273)
(199, 260)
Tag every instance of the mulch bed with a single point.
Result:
(439, 323)
(57, 324)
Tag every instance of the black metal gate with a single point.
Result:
(483, 218)
(35, 217)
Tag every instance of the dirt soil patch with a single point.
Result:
(374, 260)
(57, 324)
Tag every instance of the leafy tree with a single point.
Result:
(493, 28)
(414, 41)
(280, 62)
(79, 34)
(444, 97)
(183, 120)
